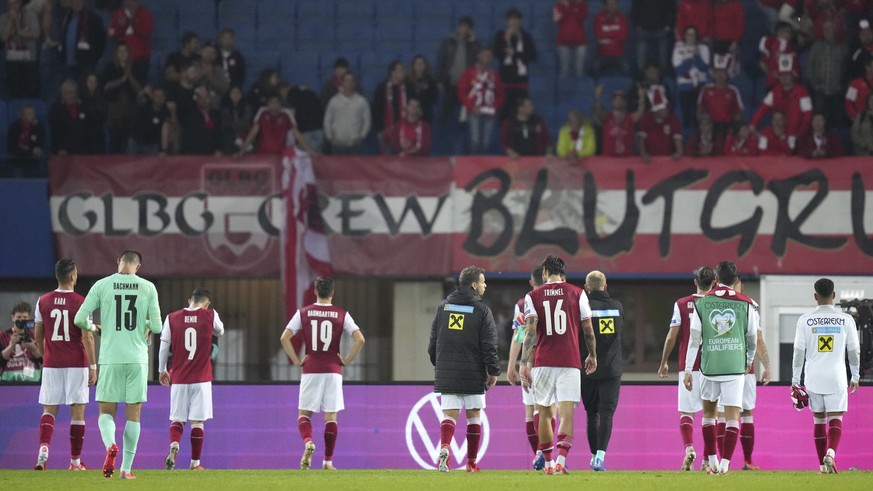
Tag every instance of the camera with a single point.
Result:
(26, 328)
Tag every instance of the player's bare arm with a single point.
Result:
(39, 336)
(669, 344)
(512, 365)
(763, 357)
(359, 340)
(91, 353)
(289, 348)
(591, 345)
(527, 352)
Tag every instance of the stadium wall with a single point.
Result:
(397, 426)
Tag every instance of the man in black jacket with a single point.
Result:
(82, 41)
(463, 351)
(600, 389)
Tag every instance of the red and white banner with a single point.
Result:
(189, 216)
(425, 217)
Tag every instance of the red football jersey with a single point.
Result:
(660, 135)
(274, 130)
(683, 309)
(559, 309)
(323, 327)
(189, 333)
(63, 346)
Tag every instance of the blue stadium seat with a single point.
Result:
(156, 69)
(315, 11)
(435, 14)
(483, 14)
(747, 92)
(246, 31)
(275, 33)
(259, 61)
(229, 9)
(302, 68)
(165, 34)
(395, 8)
(277, 8)
(161, 7)
(354, 36)
(198, 16)
(316, 37)
(611, 84)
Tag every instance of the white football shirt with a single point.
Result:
(826, 334)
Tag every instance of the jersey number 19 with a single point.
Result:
(325, 334)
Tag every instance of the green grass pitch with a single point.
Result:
(403, 480)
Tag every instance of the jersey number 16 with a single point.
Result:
(556, 319)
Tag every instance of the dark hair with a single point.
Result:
(341, 62)
(824, 287)
(64, 270)
(227, 30)
(467, 20)
(536, 275)
(513, 13)
(324, 286)
(188, 36)
(553, 265)
(393, 65)
(200, 295)
(470, 275)
(21, 307)
(727, 272)
(704, 277)
(132, 257)
(783, 25)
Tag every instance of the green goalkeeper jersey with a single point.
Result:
(128, 310)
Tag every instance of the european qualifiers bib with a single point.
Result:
(723, 335)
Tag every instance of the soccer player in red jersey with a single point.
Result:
(689, 400)
(321, 386)
(531, 415)
(553, 314)
(66, 374)
(187, 335)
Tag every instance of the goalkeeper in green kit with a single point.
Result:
(129, 313)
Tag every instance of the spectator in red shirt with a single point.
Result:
(659, 134)
(820, 142)
(728, 25)
(697, 13)
(132, 23)
(525, 134)
(610, 31)
(741, 143)
(774, 140)
(856, 95)
(570, 15)
(790, 98)
(704, 142)
(480, 90)
(277, 128)
(720, 100)
(412, 137)
(772, 47)
(389, 102)
(617, 124)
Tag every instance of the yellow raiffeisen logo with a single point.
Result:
(607, 326)
(825, 344)
(456, 322)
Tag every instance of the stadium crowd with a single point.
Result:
(80, 78)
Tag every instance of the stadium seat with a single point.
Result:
(747, 93)
(316, 37)
(435, 14)
(353, 36)
(275, 33)
(165, 34)
(395, 8)
(158, 7)
(302, 68)
(156, 69)
(611, 84)
(277, 8)
(258, 61)
(483, 14)
(198, 16)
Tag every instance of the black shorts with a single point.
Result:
(600, 396)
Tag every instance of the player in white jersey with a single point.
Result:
(823, 339)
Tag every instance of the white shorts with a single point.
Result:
(459, 401)
(556, 384)
(527, 396)
(829, 403)
(750, 393)
(64, 386)
(728, 392)
(191, 402)
(689, 400)
(321, 392)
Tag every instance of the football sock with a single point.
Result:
(474, 434)
(331, 429)
(547, 448)
(197, 435)
(106, 423)
(447, 431)
(835, 431)
(565, 443)
(532, 437)
(731, 435)
(131, 439)
(686, 429)
(46, 429)
(720, 426)
(709, 437)
(304, 426)
(77, 438)
(176, 430)
(820, 436)
(747, 437)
